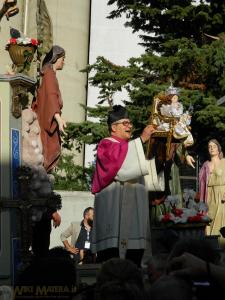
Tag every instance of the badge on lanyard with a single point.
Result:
(87, 245)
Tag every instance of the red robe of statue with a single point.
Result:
(47, 104)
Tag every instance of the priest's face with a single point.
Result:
(122, 129)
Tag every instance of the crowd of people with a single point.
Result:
(192, 270)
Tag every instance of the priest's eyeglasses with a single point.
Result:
(125, 123)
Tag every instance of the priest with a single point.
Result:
(121, 222)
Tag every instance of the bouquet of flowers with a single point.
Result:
(194, 212)
(22, 41)
(21, 50)
(18, 38)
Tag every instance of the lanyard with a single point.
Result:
(88, 234)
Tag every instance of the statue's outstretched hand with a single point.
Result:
(190, 161)
(61, 123)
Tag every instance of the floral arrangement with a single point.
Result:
(21, 50)
(193, 212)
(19, 38)
(23, 41)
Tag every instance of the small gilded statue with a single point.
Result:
(171, 107)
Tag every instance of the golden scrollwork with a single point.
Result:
(20, 89)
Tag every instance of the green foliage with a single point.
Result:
(87, 132)
(173, 34)
(71, 177)
(165, 20)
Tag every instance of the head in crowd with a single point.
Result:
(199, 247)
(48, 277)
(119, 279)
(88, 215)
(169, 287)
(156, 266)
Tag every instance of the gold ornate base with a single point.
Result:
(21, 56)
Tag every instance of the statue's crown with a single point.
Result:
(172, 90)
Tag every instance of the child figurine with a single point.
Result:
(172, 107)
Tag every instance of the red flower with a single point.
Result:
(177, 212)
(166, 217)
(197, 218)
(12, 41)
(34, 42)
